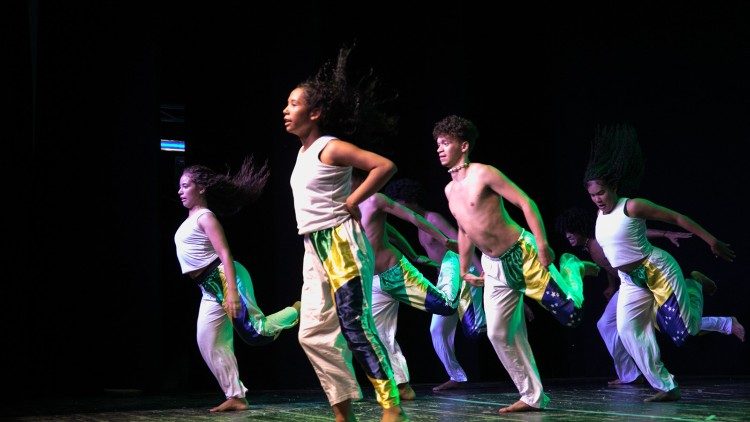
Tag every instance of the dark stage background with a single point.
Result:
(94, 296)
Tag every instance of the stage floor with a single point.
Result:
(703, 399)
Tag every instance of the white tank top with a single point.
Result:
(319, 190)
(622, 238)
(194, 248)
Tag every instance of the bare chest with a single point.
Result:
(464, 201)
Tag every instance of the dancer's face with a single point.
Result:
(298, 118)
(450, 150)
(603, 196)
(191, 194)
(575, 239)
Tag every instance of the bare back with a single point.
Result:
(373, 222)
(480, 212)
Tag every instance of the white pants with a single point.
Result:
(625, 366)
(336, 318)
(385, 313)
(635, 326)
(216, 343)
(443, 328)
(404, 283)
(216, 337)
(443, 332)
(506, 329)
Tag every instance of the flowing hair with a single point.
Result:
(226, 194)
(616, 158)
(351, 106)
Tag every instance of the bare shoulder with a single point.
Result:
(638, 204)
(208, 221)
(484, 170)
(335, 149)
(336, 142)
(336, 146)
(207, 216)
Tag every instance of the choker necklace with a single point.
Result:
(586, 245)
(458, 167)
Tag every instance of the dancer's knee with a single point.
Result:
(497, 335)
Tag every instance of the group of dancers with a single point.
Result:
(357, 269)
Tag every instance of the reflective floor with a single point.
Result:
(572, 400)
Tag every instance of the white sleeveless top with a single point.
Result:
(319, 190)
(622, 238)
(194, 248)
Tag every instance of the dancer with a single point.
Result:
(397, 280)
(228, 297)
(650, 277)
(515, 262)
(336, 316)
(470, 311)
(577, 225)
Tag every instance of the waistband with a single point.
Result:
(396, 268)
(208, 270)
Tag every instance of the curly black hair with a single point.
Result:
(576, 220)
(616, 158)
(407, 190)
(226, 194)
(354, 109)
(457, 127)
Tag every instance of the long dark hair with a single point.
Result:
(227, 194)
(616, 158)
(350, 106)
(576, 220)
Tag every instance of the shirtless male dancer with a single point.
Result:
(515, 262)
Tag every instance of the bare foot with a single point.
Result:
(297, 305)
(394, 414)
(590, 269)
(232, 404)
(406, 392)
(618, 381)
(518, 406)
(671, 395)
(709, 286)
(449, 385)
(342, 412)
(738, 330)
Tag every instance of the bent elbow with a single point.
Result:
(390, 168)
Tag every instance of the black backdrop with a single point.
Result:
(93, 291)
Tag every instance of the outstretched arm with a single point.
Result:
(396, 239)
(504, 187)
(673, 237)
(392, 207)
(215, 232)
(643, 208)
